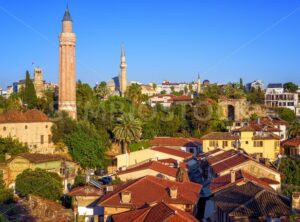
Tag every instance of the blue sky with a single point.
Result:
(222, 40)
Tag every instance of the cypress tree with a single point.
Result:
(30, 98)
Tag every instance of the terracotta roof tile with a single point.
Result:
(150, 189)
(40, 158)
(252, 201)
(173, 152)
(176, 141)
(294, 142)
(153, 165)
(219, 136)
(15, 116)
(157, 213)
(86, 190)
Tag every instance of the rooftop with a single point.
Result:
(275, 85)
(251, 200)
(15, 116)
(86, 190)
(173, 152)
(175, 141)
(219, 136)
(40, 158)
(294, 142)
(152, 165)
(157, 213)
(150, 189)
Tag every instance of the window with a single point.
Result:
(213, 143)
(247, 142)
(26, 127)
(4, 128)
(46, 126)
(224, 144)
(232, 143)
(188, 207)
(258, 144)
(49, 139)
(42, 139)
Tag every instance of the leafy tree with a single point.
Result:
(291, 169)
(172, 89)
(290, 87)
(29, 98)
(294, 129)
(186, 90)
(13, 102)
(102, 90)
(48, 103)
(232, 91)
(134, 93)
(143, 144)
(286, 114)
(256, 96)
(154, 86)
(85, 99)
(6, 194)
(163, 92)
(39, 182)
(63, 126)
(79, 181)
(85, 148)
(127, 130)
(11, 146)
(212, 91)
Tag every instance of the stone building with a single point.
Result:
(67, 68)
(239, 109)
(32, 128)
(38, 82)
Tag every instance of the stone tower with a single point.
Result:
(123, 78)
(67, 69)
(199, 85)
(38, 82)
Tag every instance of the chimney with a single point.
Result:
(126, 197)
(258, 121)
(296, 200)
(173, 192)
(232, 176)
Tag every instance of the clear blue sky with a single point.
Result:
(222, 40)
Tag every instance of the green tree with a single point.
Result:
(39, 182)
(286, 114)
(29, 98)
(186, 90)
(86, 147)
(127, 130)
(11, 146)
(290, 87)
(172, 89)
(294, 129)
(48, 102)
(6, 194)
(255, 96)
(63, 126)
(102, 90)
(79, 180)
(134, 93)
(86, 99)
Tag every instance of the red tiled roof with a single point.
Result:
(229, 163)
(176, 141)
(294, 142)
(222, 156)
(219, 136)
(269, 136)
(153, 165)
(224, 181)
(269, 181)
(15, 116)
(40, 158)
(209, 153)
(168, 161)
(157, 213)
(174, 97)
(86, 190)
(151, 189)
(173, 152)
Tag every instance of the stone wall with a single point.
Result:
(242, 109)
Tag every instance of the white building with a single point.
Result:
(256, 84)
(168, 87)
(276, 97)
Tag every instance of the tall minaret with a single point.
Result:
(67, 69)
(123, 78)
(199, 85)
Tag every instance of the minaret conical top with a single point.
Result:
(67, 15)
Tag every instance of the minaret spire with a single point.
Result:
(123, 67)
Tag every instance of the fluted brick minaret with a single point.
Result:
(67, 67)
(123, 78)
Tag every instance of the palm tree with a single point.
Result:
(294, 129)
(127, 130)
(134, 93)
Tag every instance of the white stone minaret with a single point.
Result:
(199, 85)
(67, 67)
(123, 78)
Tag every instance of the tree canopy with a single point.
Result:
(290, 87)
(11, 146)
(29, 97)
(39, 182)
(286, 114)
(6, 194)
